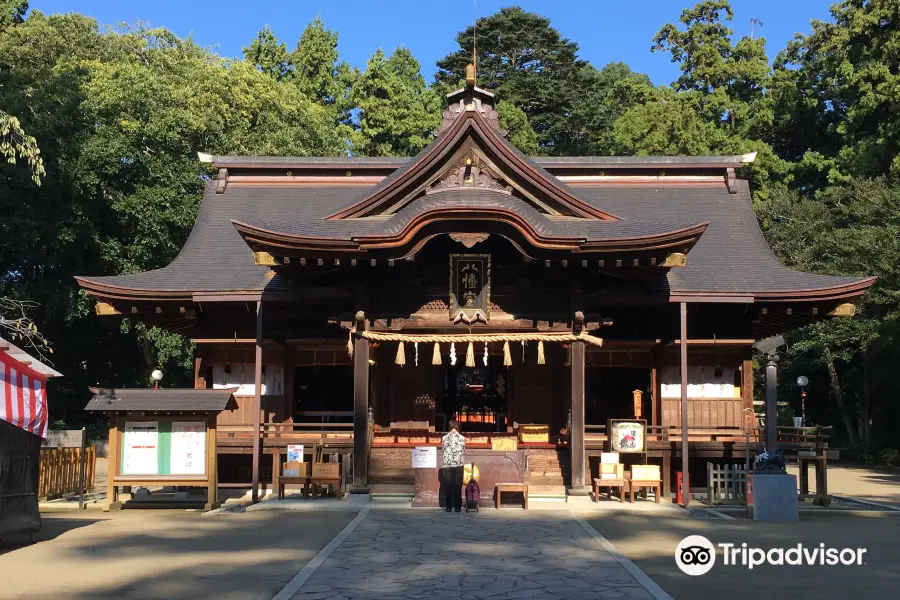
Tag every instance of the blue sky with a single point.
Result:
(605, 30)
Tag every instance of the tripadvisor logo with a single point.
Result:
(696, 555)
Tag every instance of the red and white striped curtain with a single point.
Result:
(23, 396)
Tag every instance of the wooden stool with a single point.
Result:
(637, 483)
(511, 487)
(304, 481)
(609, 483)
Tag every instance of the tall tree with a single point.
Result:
(119, 118)
(840, 98)
(398, 112)
(852, 230)
(315, 62)
(12, 12)
(268, 54)
(529, 64)
(718, 105)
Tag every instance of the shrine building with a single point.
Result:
(363, 303)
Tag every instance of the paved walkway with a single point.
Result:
(405, 554)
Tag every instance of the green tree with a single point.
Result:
(718, 105)
(119, 117)
(268, 54)
(16, 144)
(12, 12)
(514, 121)
(840, 95)
(526, 62)
(398, 112)
(851, 230)
(315, 62)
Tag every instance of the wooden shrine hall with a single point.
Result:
(362, 303)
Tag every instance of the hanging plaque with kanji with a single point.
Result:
(470, 287)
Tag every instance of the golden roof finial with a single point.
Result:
(470, 75)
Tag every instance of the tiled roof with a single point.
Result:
(731, 256)
(347, 229)
(161, 400)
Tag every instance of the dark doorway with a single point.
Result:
(609, 393)
(476, 396)
(323, 388)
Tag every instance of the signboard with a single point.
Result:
(63, 438)
(187, 454)
(140, 447)
(504, 444)
(424, 457)
(295, 453)
(638, 401)
(627, 436)
(470, 286)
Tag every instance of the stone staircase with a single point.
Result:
(548, 472)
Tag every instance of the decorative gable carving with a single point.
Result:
(470, 172)
(487, 112)
(471, 152)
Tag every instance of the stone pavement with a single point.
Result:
(421, 553)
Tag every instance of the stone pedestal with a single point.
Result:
(775, 497)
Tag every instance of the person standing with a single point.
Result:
(454, 446)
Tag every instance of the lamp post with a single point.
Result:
(802, 381)
(156, 376)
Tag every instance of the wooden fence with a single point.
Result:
(60, 471)
(726, 484)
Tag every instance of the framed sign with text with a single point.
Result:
(470, 286)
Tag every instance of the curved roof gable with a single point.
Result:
(472, 153)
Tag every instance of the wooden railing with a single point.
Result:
(60, 470)
(788, 437)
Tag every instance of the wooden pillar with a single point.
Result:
(290, 360)
(212, 465)
(257, 403)
(200, 368)
(360, 409)
(771, 402)
(685, 477)
(576, 435)
(112, 470)
(654, 390)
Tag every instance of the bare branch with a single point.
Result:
(19, 328)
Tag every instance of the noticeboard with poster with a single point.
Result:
(627, 435)
(163, 447)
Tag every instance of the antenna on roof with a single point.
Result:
(470, 69)
(753, 23)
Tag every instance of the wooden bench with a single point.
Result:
(293, 473)
(645, 476)
(511, 487)
(609, 483)
(324, 474)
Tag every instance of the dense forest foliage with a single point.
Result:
(100, 129)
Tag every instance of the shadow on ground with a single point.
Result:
(50, 530)
(650, 542)
(151, 554)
